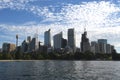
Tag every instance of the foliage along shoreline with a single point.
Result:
(87, 56)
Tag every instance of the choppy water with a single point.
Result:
(60, 70)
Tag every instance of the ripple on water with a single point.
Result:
(60, 70)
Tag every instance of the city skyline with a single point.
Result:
(60, 44)
(101, 18)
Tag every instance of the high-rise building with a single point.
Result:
(102, 48)
(85, 45)
(8, 47)
(28, 39)
(94, 47)
(33, 45)
(71, 39)
(57, 40)
(47, 38)
(108, 49)
(0, 50)
(64, 43)
(102, 41)
(102, 45)
(112, 48)
(24, 46)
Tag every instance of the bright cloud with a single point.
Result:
(25, 5)
(100, 18)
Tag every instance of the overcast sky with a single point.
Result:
(27, 17)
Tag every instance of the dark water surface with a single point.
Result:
(60, 70)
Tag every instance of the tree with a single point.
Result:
(6, 56)
(115, 56)
(89, 55)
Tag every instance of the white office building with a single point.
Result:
(57, 40)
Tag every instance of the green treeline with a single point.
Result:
(59, 56)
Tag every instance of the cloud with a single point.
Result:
(100, 18)
(26, 6)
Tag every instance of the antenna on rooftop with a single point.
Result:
(85, 28)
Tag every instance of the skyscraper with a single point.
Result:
(112, 48)
(57, 40)
(33, 45)
(47, 38)
(102, 45)
(64, 43)
(94, 47)
(24, 46)
(108, 49)
(71, 39)
(85, 45)
(28, 39)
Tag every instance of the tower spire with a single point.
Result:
(84, 29)
(16, 40)
(85, 32)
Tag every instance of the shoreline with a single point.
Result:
(16, 60)
(52, 60)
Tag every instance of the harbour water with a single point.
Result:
(60, 70)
